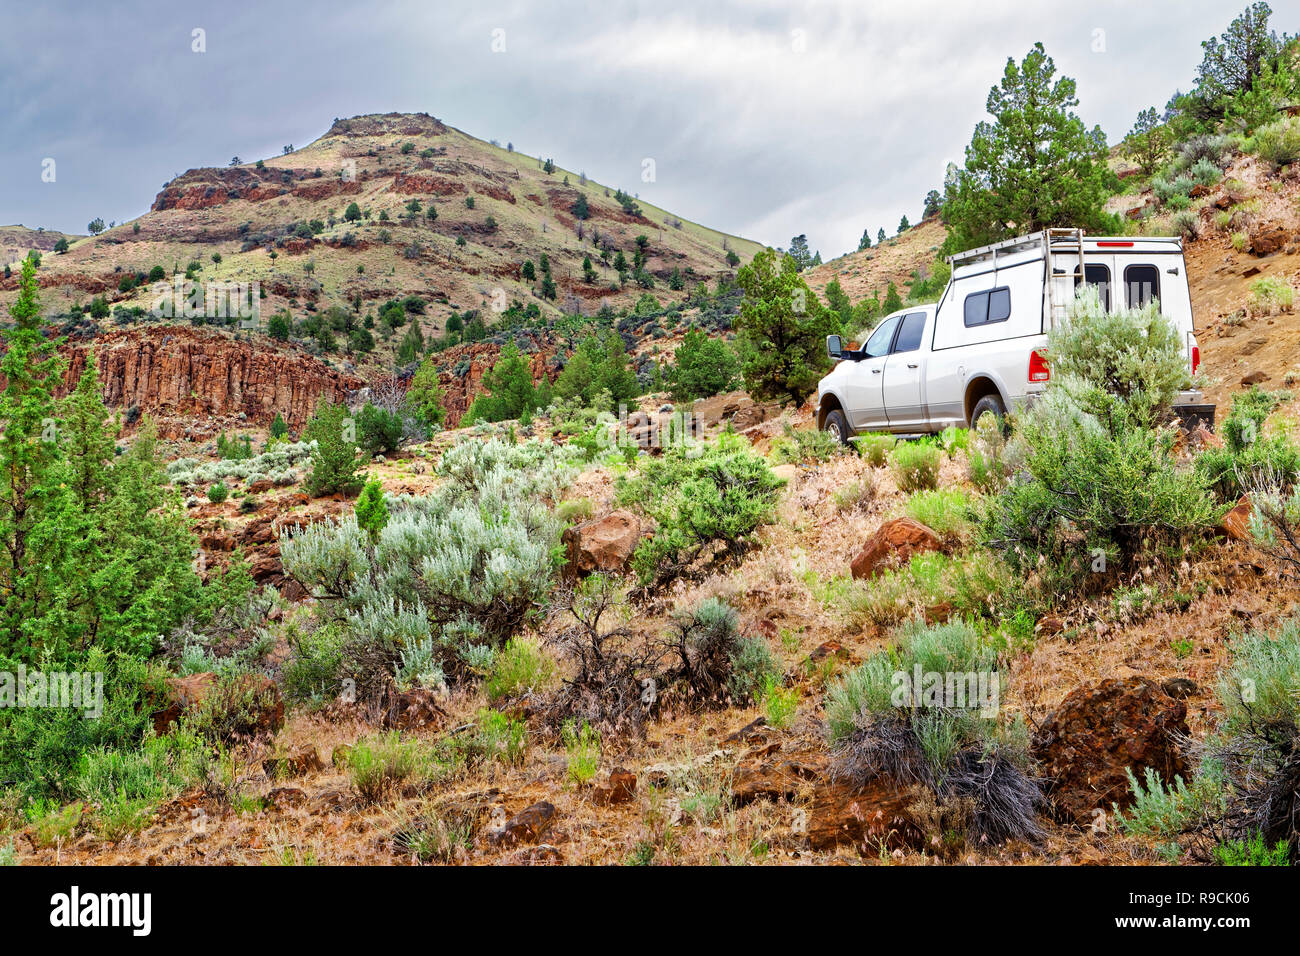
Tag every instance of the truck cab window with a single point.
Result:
(981, 308)
(909, 334)
(1098, 276)
(880, 340)
(1143, 284)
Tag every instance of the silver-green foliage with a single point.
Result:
(454, 573)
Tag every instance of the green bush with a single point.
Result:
(947, 512)
(1122, 361)
(461, 569)
(334, 453)
(945, 733)
(379, 431)
(521, 667)
(1279, 141)
(1249, 459)
(1086, 490)
(217, 492)
(706, 500)
(1252, 852)
(804, 446)
(915, 466)
(875, 447)
(703, 366)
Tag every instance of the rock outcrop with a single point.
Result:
(1100, 731)
(180, 371)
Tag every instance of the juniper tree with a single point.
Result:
(784, 327)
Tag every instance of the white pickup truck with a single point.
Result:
(982, 348)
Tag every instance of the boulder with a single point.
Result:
(894, 543)
(602, 544)
(621, 789)
(527, 826)
(1236, 523)
(1268, 239)
(1100, 731)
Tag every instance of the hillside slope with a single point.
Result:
(282, 223)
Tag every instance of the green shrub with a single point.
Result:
(1252, 851)
(706, 500)
(779, 703)
(945, 733)
(1249, 459)
(521, 667)
(218, 492)
(582, 747)
(875, 447)
(946, 512)
(804, 446)
(1279, 141)
(1271, 294)
(452, 575)
(752, 666)
(312, 674)
(990, 461)
(915, 466)
(379, 431)
(334, 453)
(1121, 361)
(381, 764)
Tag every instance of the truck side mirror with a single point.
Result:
(834, 346)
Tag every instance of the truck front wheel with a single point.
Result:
(989, 404)
(838, 426)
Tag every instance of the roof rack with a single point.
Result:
(992, 250)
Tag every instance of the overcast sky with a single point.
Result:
(765, 119)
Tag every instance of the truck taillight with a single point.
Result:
(1196, 358)
(1038, 370)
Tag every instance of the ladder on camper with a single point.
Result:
(1058, 307)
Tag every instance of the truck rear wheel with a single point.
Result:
(989, 404)
(838, 426)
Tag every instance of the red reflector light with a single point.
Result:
(1115, 245)
(1196, 358)
(1038, 370)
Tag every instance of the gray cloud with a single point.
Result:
(765, 119)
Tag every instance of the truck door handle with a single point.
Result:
(875, 371)
(911, 365)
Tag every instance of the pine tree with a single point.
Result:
(865, 241)
(903, 225)
(880, 235)
(372, 510)
(424, 396)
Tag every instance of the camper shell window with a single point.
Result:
(1099, 276)
(1143, 285)
(984, 308)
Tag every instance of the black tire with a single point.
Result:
(838, 425)
(989, 404)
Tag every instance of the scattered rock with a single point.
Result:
(786, 472)
(1100, 731)
(1049, 625)
(621, 789)
(752, 729)
(864, 817)
(895, 542)
(1236, 523)
(1254, 378)
(408, 709)
(1180, 688)
(526, 826)
(306, 760)
(342, 754)
(776, 777)
(1268, 239)
(602, 544)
